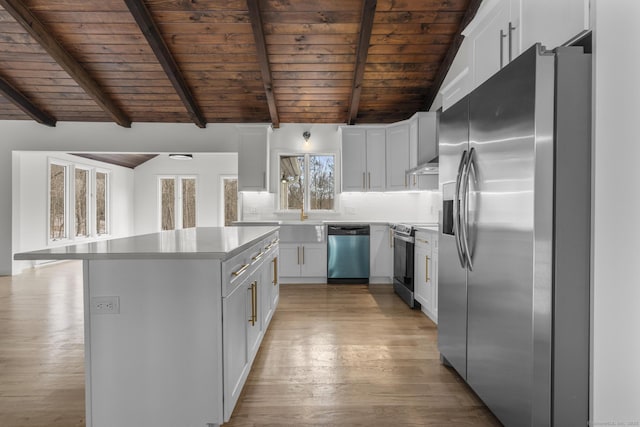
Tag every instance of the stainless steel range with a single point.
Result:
(403, 251)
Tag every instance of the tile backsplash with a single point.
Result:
(420, 207)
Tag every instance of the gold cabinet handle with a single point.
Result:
(369, 180)
(257, 257)
(254, 303)
(298, 255)
(364, 182)
(414, 180)
(303, 254)
(241, 270)
(275, 271)
(426, 267)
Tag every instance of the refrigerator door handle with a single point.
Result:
(465, 207)
(456, 210)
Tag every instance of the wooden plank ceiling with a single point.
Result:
(225, 61)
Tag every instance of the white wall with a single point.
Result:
(208, 168)
(411, 206)
(97, 137)
(616, 229)
(30, 190)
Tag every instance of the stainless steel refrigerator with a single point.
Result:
(515, 174)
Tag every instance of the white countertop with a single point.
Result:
(320, 222)
(192, 243)
(428, 228)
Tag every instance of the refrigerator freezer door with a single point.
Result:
(452, 278)
(502, 131)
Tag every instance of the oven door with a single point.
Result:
(403, 247)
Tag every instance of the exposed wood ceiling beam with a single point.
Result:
(451, 52)
(265, 68)
(38, 31)
(25, 104)
(151, 31)
(368, 11)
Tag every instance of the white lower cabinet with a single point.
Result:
(303, 262)
(235, 344)
(426, 273)
(381, 254)
(270, 288)
(246, 313)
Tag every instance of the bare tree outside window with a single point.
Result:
(318, 193)
(81, 200)
(57, 202)
(321, 182)
(167, 192)
(101, 203)
(292, 168)
(230, 200)
(188, 202)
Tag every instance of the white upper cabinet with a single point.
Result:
(427, 136)
(253, 159)
(553, 22)
(495, 38)
(501, 30)
(376, 161)
(363, 159)
(397, 156)
(423, 148)
(354, 159)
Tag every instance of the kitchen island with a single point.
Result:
(173, 321)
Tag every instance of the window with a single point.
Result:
(188, 202)
(230, 199)
(321, 183)
(78, 201)
(177, 202)
(307, 180)
(57, 201)
(81, 201)
(168, 203)
(102, 182)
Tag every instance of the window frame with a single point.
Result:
(70, 202)
(177, 199)
(222, 201)
(306, 196)
(67, 201)
(88, 202)
(107, 202)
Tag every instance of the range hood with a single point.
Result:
(429, 168)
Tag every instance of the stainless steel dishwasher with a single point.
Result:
(347, 253)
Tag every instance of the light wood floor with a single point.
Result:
(333, 356)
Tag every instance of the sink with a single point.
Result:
(302, 232)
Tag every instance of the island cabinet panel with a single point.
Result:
(270, 287)
(173, 322)
(156, 358)
(237, 334)
(246, 312)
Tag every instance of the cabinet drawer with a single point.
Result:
(234, 270)
(424, 239)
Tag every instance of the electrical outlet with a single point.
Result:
(105, 305)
